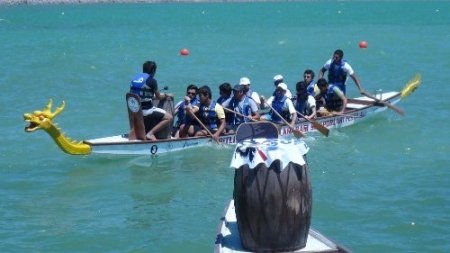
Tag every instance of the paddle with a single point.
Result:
(297, 133)
(204, 127)
(411, 86)
(321, 128)
(393, 107)
(239, 114)
(177, 106)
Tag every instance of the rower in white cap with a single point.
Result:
(282, 108)
(245, 81)
(280, 79)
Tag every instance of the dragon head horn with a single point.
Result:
(58, 110)
(48, 108)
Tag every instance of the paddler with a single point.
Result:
(245, 81)
(242, 109)
(304, 103)
(277, 79)
(281, 105)
(184, 125)
(209, 114)
(334, 99)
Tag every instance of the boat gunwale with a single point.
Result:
(142, 142)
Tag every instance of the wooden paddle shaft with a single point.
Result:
(284, 120)
(242, 115)
(393, 107)
(203, 125)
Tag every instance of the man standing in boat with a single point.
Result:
(338, 70)
(243, 109)
(146, 87)
(211, 115)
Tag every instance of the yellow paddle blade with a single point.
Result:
(411, 86)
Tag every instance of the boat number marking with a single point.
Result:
(154, 149)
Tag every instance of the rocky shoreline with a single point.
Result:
(40, 2)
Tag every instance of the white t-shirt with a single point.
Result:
(347, 68)
(255, 96)
(311, 101)
(288, 94)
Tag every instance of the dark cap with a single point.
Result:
(238, 87)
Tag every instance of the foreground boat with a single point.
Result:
(358, 109)
(271, 209)
(228, 241)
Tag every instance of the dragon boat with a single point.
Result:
(357, 110)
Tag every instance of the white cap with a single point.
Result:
(244, 81)
(277, 77)
(282, 86)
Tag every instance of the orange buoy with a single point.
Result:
(363, 44)
(184, 52)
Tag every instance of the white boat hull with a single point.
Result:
(228, 241)
(120, 145)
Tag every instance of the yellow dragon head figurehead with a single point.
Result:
(44, 120)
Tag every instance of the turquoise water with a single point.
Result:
(382, 185)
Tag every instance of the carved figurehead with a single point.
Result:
(44, 120)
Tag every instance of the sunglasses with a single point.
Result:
(306, 77)
(191, 93)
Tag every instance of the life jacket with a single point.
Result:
(310, 88)
(332, 100)
(336, 73)
(303, 107)
(181, 115)
(222, 99)
(208, 115)
(278, 105)
(138, 87)
(249, 93)
(245, 110)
